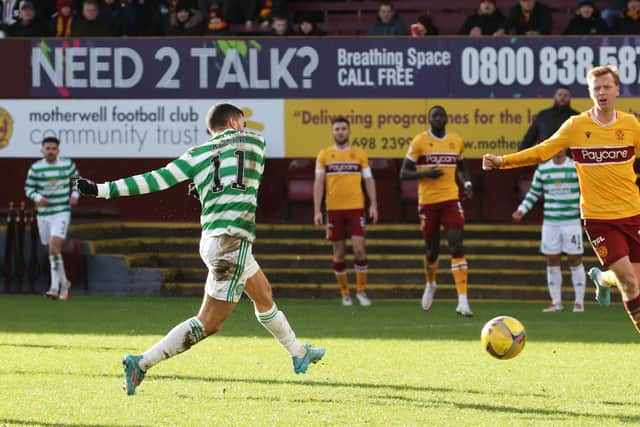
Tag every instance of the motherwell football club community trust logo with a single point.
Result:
(6, 127)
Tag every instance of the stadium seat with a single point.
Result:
(409, 199)
(75, 262)
(300, 176)
(385, 173)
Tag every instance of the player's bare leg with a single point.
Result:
(624, 275)
(259, 290)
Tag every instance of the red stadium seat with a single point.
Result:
(409, 199)
(385, 173)
(300, 176)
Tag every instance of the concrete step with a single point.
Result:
(410, 231)
(400, 276)
(388, 290)
(504, 260)
(319, 261)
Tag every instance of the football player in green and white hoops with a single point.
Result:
(49, 185)
(226, 171)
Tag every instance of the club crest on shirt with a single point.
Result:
(619, 134)
(6, 127)
(588, 134)
(602, 251)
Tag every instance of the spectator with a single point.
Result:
(27, 25)
(609, 16)
(307, 27)
(10, 12)
(485, 22)
(119, 16)
(548, 121)
(151, 17)
(587, 20)
(528, 17)
(216, 25)
(387, 22)
(185, 21)
(89, 25)
(252, 12)
(424, 27)
(629, 22)
(281, 26)
(62, 21)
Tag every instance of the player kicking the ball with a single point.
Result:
(226, 171)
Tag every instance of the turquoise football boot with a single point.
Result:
(313, 355)
(133, 375)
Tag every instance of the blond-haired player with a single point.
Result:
(603, 142)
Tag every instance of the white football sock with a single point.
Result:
(179, 339)
(554, 282)
(54, 268)
(578, 278)
(276, 322)
(462, 299)
(61, 272)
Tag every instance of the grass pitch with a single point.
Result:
(389, 364)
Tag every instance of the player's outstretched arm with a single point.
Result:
(491, 162)
(86, 187)
(160, 179)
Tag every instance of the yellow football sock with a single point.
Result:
(342, 281)
(459, 270)
(362, 267)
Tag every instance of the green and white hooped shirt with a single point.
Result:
(559, 186)
(226, 171)
(53, 182)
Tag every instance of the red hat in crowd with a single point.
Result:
(62, 3)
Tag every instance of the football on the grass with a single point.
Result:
(503, 337)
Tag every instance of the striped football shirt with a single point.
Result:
(226, 171)
(561, 190)
(53, 182)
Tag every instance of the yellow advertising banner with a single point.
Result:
(385, 127)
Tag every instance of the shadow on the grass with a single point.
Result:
(31, 422)
(380, 399)
(392, 400)
(315, 319)
(64, 347)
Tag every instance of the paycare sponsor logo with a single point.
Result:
(439, 159)
(343, 167)
(603, 155)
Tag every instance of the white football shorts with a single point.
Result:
(53, 225)
(559, 239)
(230, 264)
